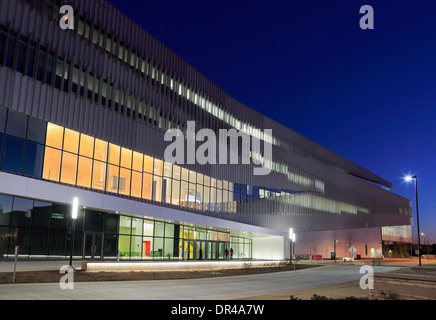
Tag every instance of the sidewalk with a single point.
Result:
(55, 265)
(30, 265)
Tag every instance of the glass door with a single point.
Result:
(200, 250)
(221, 250)
(92, 246)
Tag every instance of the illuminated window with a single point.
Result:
(126, 158)
(199, 197)
(112, 178)
(114, 154)
(136, 184)
(185, 174)
(84, 172)
(167, 189)
(147, 183)
(157, 188)
(124, 182)
(55, 136)
(192, 196)
(183, 193)
(225, 200)
(176, 172)
(206, 192)
(98, 175)
(52, 164)
(100, 150)
(158, 167)
(167, 169)
(86, 146)
(69, 168)
(175, 194)
(207, 181)
(148, 164)
(71, 141)
(137, 161)
(192, 176)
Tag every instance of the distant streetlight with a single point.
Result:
(74, 212)
(291, 233)
(407, 179)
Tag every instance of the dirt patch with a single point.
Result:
(348, 290)
(89, 276)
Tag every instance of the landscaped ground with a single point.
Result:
(337, 292)
(81, 276)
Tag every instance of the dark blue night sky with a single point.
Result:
(368, 95)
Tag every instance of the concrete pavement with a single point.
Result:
(221, 288)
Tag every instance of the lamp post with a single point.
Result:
(291, 232)
(409, 178)
(74, 211)
(424, 244)
(293, 242)
(335, 248)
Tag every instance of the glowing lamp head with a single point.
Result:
(291, 232)
(408, 178)
(75, 207)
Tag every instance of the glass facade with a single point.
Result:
(78, 159)
(44, 230)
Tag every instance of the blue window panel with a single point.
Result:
(16, 124)
(256, 192)
(33, 159)
(2, 119)
(5, 211)
(243, 189)
(36, 130)
(237, 188)
(13, 154)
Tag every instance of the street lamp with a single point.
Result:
(407, 179)
(291, 233)
(293, 242)
(74, 212)
(335, 248)
(423, 234)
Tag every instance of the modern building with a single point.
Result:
(83, 113)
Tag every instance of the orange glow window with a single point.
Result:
(71, 141)
(52, 164)
(55, 136)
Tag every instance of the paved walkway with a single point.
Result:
(222, 288)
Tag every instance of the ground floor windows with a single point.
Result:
(44, 230)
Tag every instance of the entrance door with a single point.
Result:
(200, 250)
(221, 250)
(92, 246)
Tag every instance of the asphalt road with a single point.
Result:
(219, 288)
